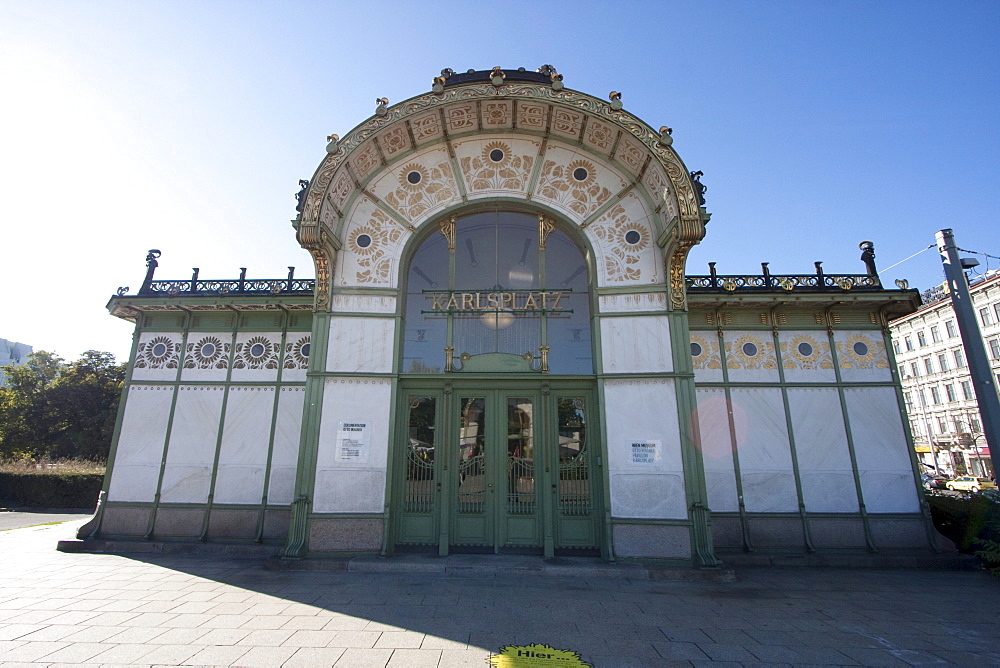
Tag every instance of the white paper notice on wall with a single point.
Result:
(644, 452)
(352, 442)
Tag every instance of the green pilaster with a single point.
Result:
(170, 424)
(222, 427)
(696, 491)
(869, 539)
(305, 473)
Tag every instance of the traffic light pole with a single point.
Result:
(975, 348)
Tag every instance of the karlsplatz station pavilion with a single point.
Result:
(502, 352)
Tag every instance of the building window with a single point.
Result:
(902, 371)
(949, 327)
(895, 347)
(908, 343)
(923, 398)
(943, 362)
(921, 339)
(995, 349)
(976, 427)
(959, 358)
(908, 400)
(914, 370)
(996, 310)
(967, 389)
(984, 315)
(935, 395)
(950, 391)
(935, 334)
(928, 365)
(942, 426)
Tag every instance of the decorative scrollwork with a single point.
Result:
(789, 283)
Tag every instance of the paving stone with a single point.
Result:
(687, 651)
(355, 639)
(312, 657)
(400, 639)
(31, 651)
(307, 638)
(218, 655)
(726, 652)
(125, 654)
(364, 658)
(457, 658)
(415, 658)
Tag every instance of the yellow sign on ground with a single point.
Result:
(536, 656)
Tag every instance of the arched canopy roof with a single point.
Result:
(506, 137)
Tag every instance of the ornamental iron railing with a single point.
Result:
(768, 282)
(239, 286)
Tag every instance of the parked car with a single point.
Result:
(970, 483)
(934, 481)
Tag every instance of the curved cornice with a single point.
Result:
(657, 144)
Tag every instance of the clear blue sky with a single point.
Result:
(185, 126)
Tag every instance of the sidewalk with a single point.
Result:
(218, 610)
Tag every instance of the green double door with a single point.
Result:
(497, 470)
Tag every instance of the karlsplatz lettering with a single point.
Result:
(455, 302)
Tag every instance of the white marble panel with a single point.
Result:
(140, 443)
(862, 356)
(764, 453)
(821, 447)
(298, 348)
(373, 241)
(285, 451)
(207, 356)
(340, 491)
(245, 437)
(257, 357)
(881, 450)
(360, 345)
(806, 356)
(707, 362)
(356, 400)
(639, 344)
(624, 243)
(191, 452)
(750, 356)
(157, 357)
(484, 177)
(717, 450)
(644, 409)
(633, 303)
(435, 188)
(578, 199)
(659, 496)
(349, 303)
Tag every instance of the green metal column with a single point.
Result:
(305, 473)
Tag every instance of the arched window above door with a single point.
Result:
(498, 283)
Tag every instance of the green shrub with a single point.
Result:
(49, 488)
(971, 523)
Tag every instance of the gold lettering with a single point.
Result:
(558, 296)
(531, 302)
(437, 302)
(507, 298)
(466, 301)
(452, 303)
(493, 301)
(479, 306)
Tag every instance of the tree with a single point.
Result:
(54, 409)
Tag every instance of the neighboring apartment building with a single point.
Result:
(12, 352)
(937, 388)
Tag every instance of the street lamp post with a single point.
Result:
(972, 340)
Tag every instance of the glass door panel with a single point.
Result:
(575, 519)
(472, 521)
(421, 489)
